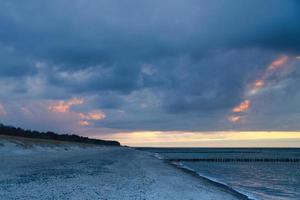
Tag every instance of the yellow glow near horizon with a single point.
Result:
(210, 139)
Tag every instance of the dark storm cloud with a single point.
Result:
(14, 64)
(152, 60)
(72, 33)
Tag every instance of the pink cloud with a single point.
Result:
(94, 115)
(64, 106)
(278, 63)
(84, 123)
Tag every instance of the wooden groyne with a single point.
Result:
(291, 160)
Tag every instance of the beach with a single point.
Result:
(35, 170)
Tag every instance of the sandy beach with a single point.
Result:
(42, 170)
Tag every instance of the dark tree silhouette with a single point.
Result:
(13, 131)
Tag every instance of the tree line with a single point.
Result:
(19, 132)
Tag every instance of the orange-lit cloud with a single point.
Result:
(235, 119)
(64, 106)
(84, 119)
(2, 110)
(261, 81)
(257, 85)
(94, 115)
(83, 123)
(278, 63)
(243, 107)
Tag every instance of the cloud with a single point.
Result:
(242, 107)
(85, 119)
(271, 78)
(278, 63)
(64, 106)
(235, 119)
(2, 110)
(84, 123)
(149, 65)
(95, 115)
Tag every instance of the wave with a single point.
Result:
(239, 194)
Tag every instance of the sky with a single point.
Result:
(154, 73)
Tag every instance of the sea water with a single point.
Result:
(257, 180)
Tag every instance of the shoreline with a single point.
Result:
(185, 169)
(223, 186)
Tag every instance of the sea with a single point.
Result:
(257, 173)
